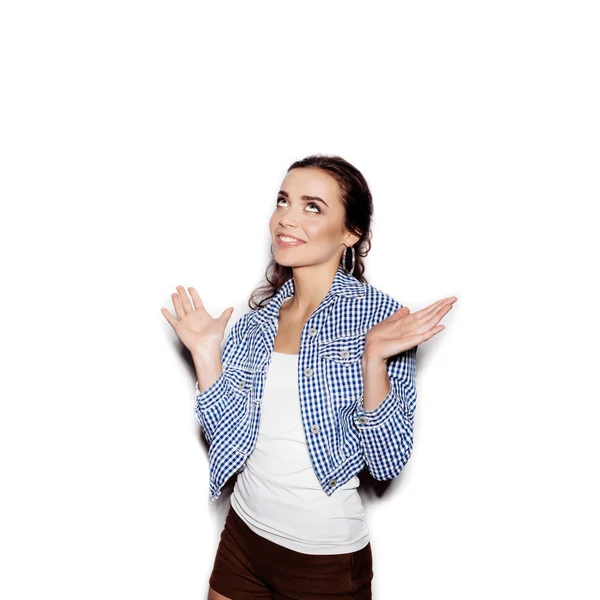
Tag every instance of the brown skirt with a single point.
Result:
(250, 567)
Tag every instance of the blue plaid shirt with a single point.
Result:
(342, 437)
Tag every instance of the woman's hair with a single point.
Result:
(358, 204)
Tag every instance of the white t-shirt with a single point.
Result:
(278, 495)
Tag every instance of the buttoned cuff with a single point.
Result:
(366, 419)
(205, 399)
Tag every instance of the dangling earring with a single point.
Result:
(344, 260)
(272, 251)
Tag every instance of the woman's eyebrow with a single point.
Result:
(305, 198)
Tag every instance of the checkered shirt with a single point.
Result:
(342, 437)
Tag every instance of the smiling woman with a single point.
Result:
(324, 202)
(315, 383)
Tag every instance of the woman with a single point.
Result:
(315, 382)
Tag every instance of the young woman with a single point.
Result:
(315, 382)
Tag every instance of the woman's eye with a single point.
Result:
(309, 204)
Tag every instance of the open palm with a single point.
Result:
(404, 330)
(195, 328)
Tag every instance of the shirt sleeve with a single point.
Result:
(386, 433)
(211, 403)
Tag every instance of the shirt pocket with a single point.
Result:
(243, 382)
(240, 385)
(240, 380)
(341, 361)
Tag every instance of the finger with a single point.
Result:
(423, 337)
(418, 338)
(436, 317)
(169, 317)
(225, 315)
(428, 310)
(178, 306)
(185, 301)
(198, 305)
(425, 312)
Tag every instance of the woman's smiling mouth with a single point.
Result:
(288, 241)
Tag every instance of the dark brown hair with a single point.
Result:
(358, 204)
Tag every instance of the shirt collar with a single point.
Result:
(342, 285)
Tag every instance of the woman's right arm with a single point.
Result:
(213, 386)
(202, 336)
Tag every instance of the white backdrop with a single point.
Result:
(142, 146)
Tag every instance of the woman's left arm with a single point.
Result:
(385, 416)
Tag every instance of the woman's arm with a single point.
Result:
(213, 390)
(384, 417)
(385, 414)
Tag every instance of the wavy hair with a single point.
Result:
(358, 205)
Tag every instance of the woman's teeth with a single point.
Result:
(284, 238)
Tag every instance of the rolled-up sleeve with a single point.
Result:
(386, 433)
(211, 403)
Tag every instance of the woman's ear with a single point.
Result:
(351, 239)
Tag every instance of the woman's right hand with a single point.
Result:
(196, 329)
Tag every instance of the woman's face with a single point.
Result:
(317, 219)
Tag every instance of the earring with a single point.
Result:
(344, 260)
(272, 251)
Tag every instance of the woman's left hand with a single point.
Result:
(404, 330)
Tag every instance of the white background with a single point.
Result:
(142, 145)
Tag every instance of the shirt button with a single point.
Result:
(308, 371)
(363, 419)
(315, 428)
(312, 331)
(242, 384)
(345, 353)
(332, 482)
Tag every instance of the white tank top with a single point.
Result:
(278, 494)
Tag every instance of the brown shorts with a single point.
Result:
(250, 567)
